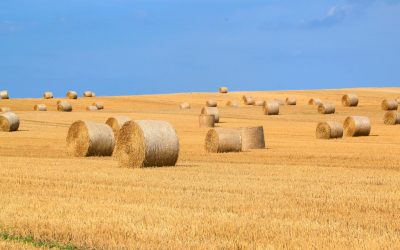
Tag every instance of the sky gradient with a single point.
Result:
(128, 47)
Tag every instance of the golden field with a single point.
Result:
(300, 192)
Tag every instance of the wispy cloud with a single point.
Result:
(334, 16)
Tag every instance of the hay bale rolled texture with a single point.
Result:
(248, 100)
(389, 105)
(91, 108)
(48, 95)
(86, 138)
(252, 138)
(223, 90)
(4, 94)
(9, 122)
(329, 130)
(233, 104)
(291, 101)
(206, 121)
(64, 106)
(88, 94)
(314, 101)
(147, 144)
(271, 108)
(5, 109)
(211, 111)
(326, 108)
(222, 140)
(259, 103)
(116, 123)
(99, 105)
(391, 118)
(72, 94)
(184, 105)
(211, 103)
(40, 107)
(350, 100)
(357, 126)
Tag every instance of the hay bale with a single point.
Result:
(5, 109)
(391, 118)
(326, 108)
(389, 105)
(206, 121)
(9, 122)
(398, 100)
(211, 103)
(72, 94)
(211, 111)
(64, 106)
(357, 126)
(116, 123)
(280, 102)
(86, 138)
(91, 108)
(314, 101)
(40, 107)
(88, 94)
(4, 94)
(248, 100)
(184, 105)
(252, 138)
(233, 104)
(223, 140)
(48, 95)
(329, 130)
(259, 103)
(291, 101)
(271, 108)
(99, 105)
(350, 100)
(223, 90)
(147, 144)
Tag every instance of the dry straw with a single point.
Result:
(391, 118)
(9, 122)
(147, 144)
(398, 100)
(259, 103)
(184, 105)
(211, 103)
(314, 101)
(389, 105)
(271, 108)
(326, 108)
(291, 101)
(48, 95)
(279, 101)
(211, 111)
(91, 108)
(252, 138)
(206, 121)
(5, 109)
(223, 90)
(248, 100)
(86, 138)
(223, 140)
(40, 107)
(4, 94)
(64, 106)
(357, 126)
(233, 104)
(116, 123)
(350, 100)
(99, 105)
(72, 94)
(88, 94)
(329, 130)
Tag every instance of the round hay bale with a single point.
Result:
(211, 103)
(99, 105)
(147, 144)
(48, 95)
(233, 104)
(391, 118)
(389, 105)
(116, 123)
(329, 130)
(271, 108)
(72, 94)
(64, 106)
(291, 101)
(223, 140)
(88, 94)
(252, 138)
(5, 109)
(314, 101)
(350, 100)
(326, 108)
(280, 102)
(398, 100)
(259, 103)
(9, 122)
(91, 108)
(211, 111)
(4, 94)
(248, 100)
(40, 107)
(206, 121)
(184, 105)
(223, 90)
(86, 138)
(357, 126)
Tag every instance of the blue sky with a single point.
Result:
(126, 47)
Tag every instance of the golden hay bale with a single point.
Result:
(279, 101)
(233, 104)
(252, 138)
(48, 95)
(248, 100)
(223, 140)
(9, 122)
(116, 123)
(271, 108)
(4, 94)
(147, 144)
(86, 138)
(391, 118)
(88, 94)
(5, 109)
(223, 90)
(389, 105)
(357, 126)
(99, 105)
(328, 130)
(72, 94)
(184, 105)
(314, 101)
(40, 107)
(64, 106)
(211, 103)
(91, 108)
(350, 100)
(211, 111)
(291, 101)
(206, 121)
(326, 108)
(259, 103)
